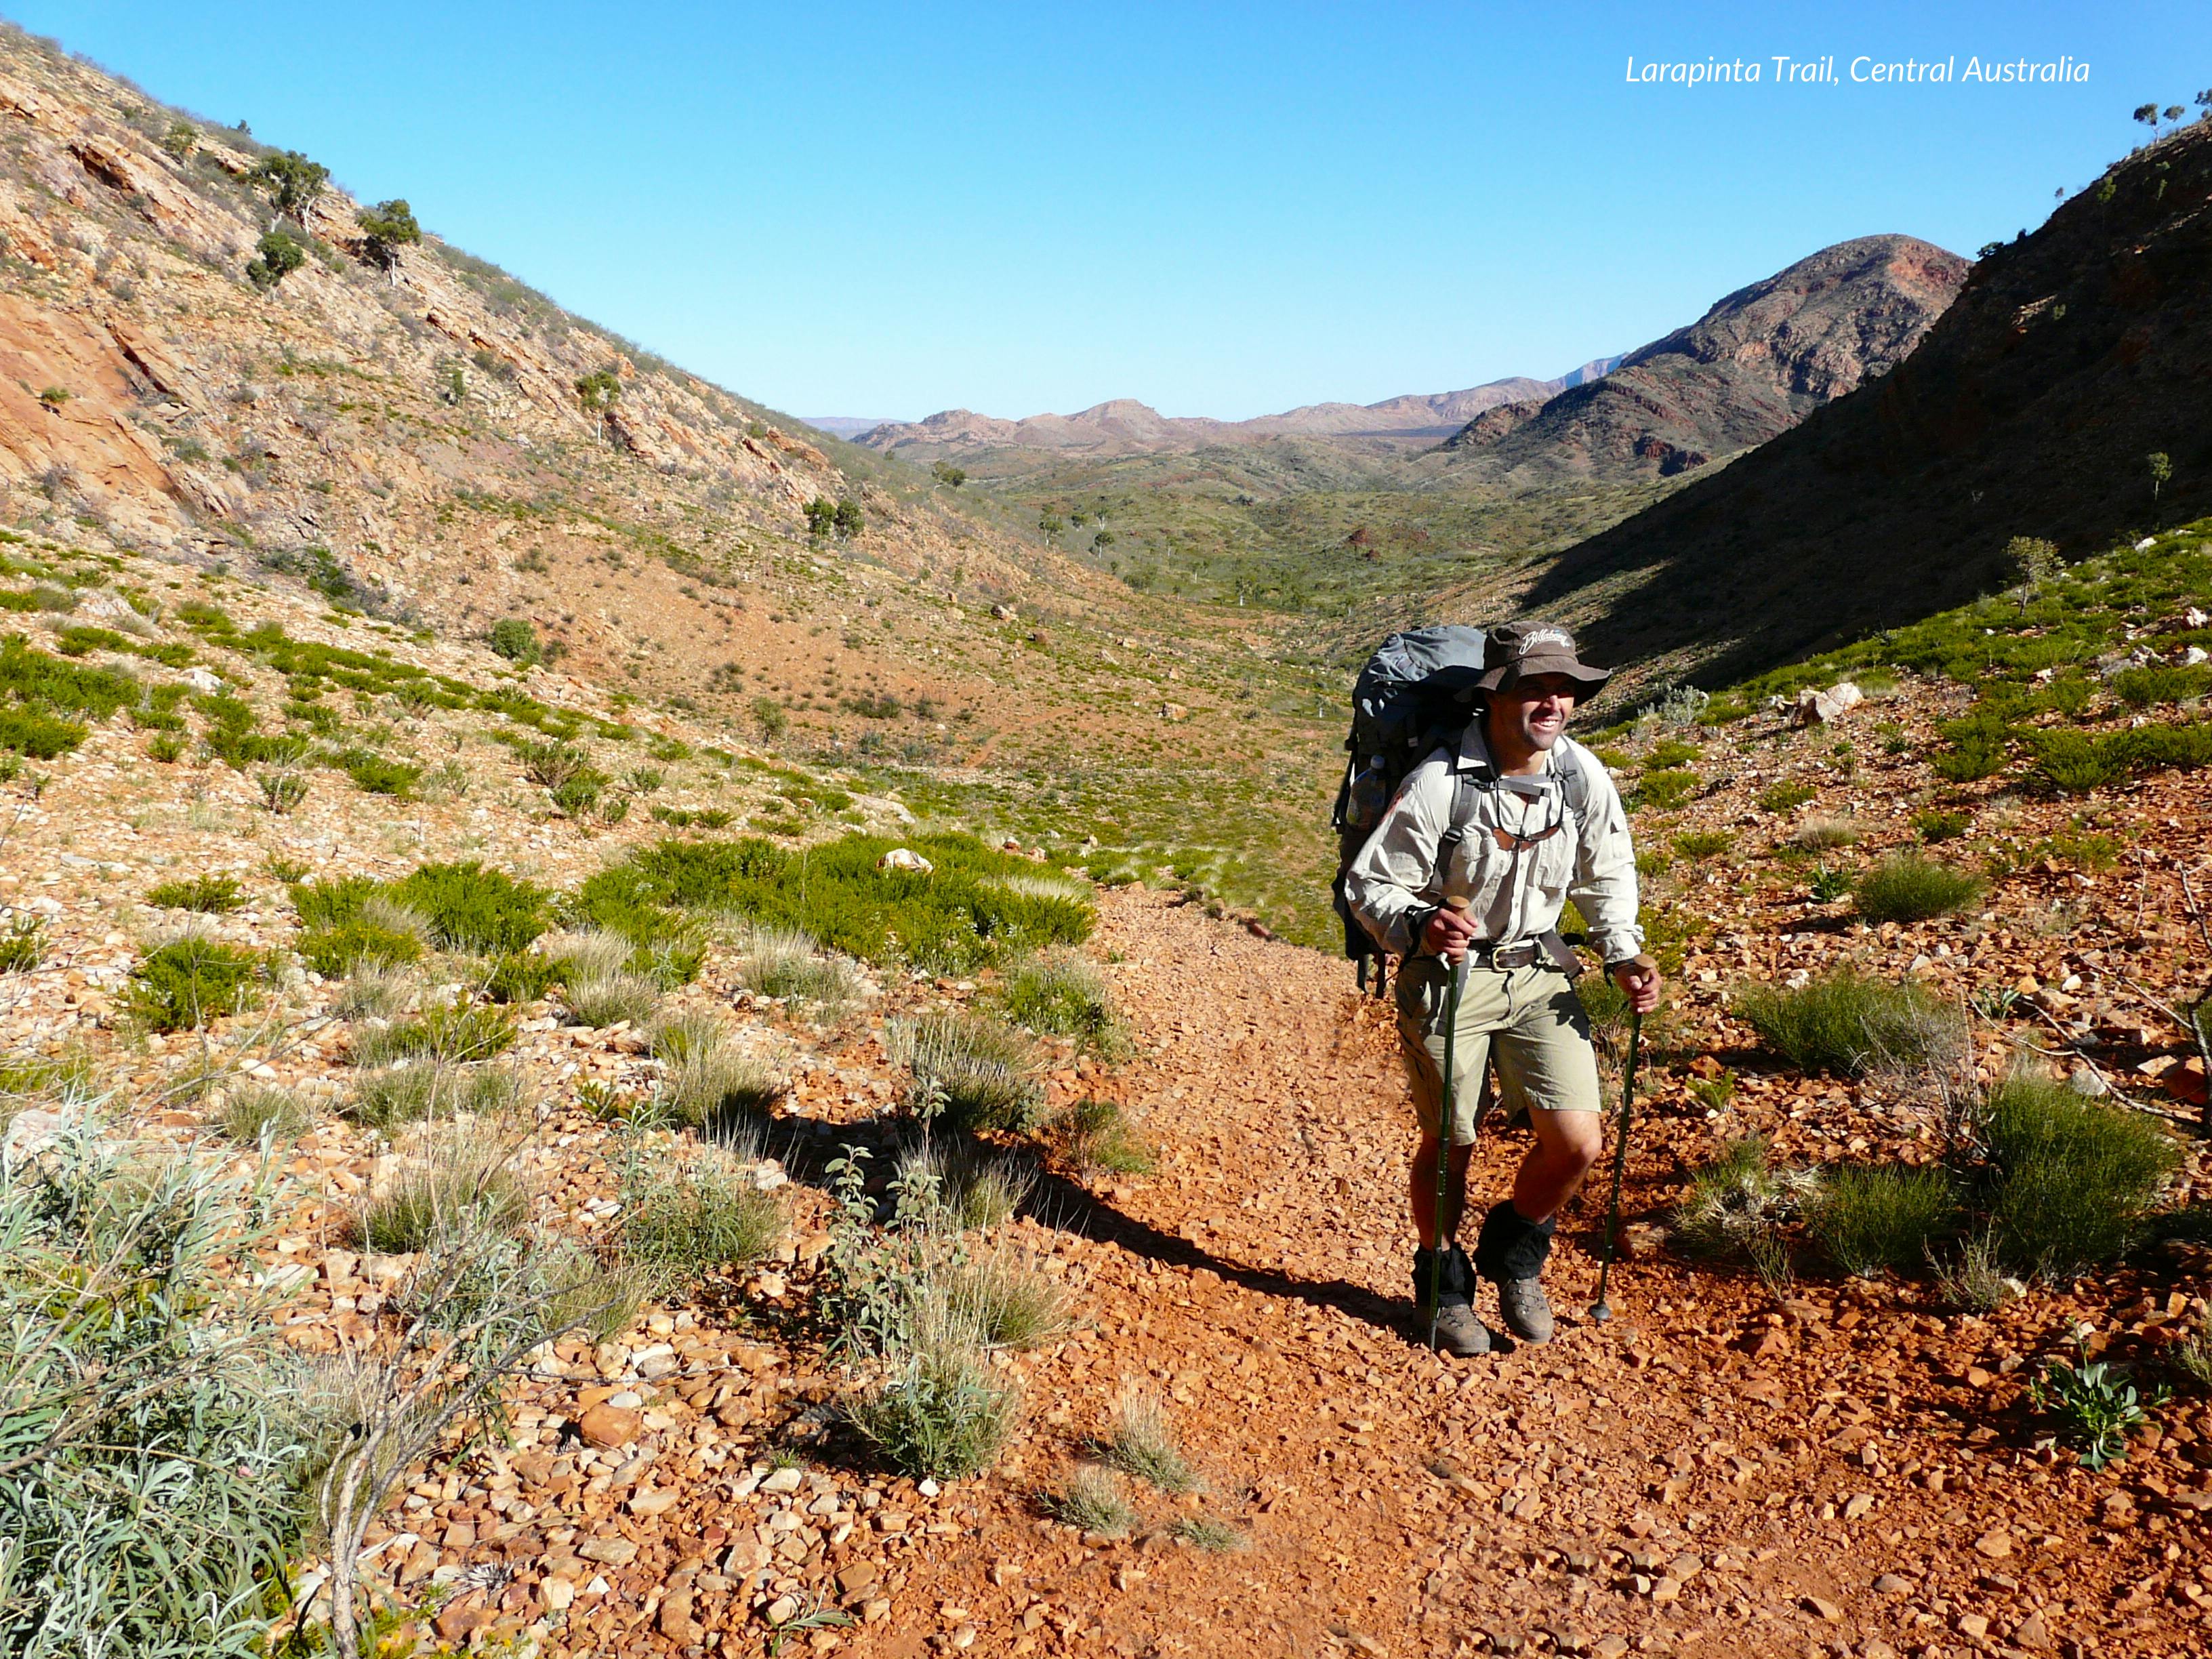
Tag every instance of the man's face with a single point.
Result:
(1535, 708)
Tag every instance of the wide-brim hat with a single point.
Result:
(1526, 648)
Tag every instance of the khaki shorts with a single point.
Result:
(1533, 1018)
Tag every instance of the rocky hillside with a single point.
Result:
(2032, 408)
(1753, 366)
(1124, 426)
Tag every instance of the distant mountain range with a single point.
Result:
(1752, 367)
(1123, 426)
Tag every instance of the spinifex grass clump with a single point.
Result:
(462, 1181)
(2069, 1182)
(1909, 888)
(253, 1112)
(1143, 1442)
(1007, 1302)
(1818, 835)
(942, 1412)
(707, 1083)
(1738, 1203)
(975, 1073)
(1849, 1023)
(1096, 1135)
(424, 1091)
(1092, 1501)
(698, 1214)
(455, 1032)
(613, 999)
(1869, 1217)
(1063, 992)
(189, 982)
(783, 962)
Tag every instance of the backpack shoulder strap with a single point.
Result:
(1574, 781)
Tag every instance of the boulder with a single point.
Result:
(905, 858)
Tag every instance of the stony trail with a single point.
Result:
(1713, 1472)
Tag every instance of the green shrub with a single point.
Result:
(1872, 1216)
(975, 1073)
(2069, 1182)
(514, 639)
(966, 913)
(1848, 1023)
(471, 908)
(1209, 1533)
(342, 947)
(700, 1214)
(185, 984)
(1664, 791)
(1786, 796)
(212, 896)
(1935, 826)
(1909, 888)
(1976, 748)
(149, 1466)
(165, 748)
(1061, 992)
(2095, 1406)
(520, 977)
(1670, 751)
(552, 765)
(2073, 763)
(374, 774)
(22, 943)
(2139, 688)
(1096, 1135)
(1703, 843)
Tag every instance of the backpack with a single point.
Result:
(1416, 694)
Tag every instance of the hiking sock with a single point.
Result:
(1512, 1246)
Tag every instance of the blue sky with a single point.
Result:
(1222, 209)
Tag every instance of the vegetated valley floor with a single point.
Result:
(1828, 1466)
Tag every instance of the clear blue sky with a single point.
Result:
(888, 209)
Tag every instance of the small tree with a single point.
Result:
(821, 517)
(514, 639)
(2204, 103)
(2034, 560)
(294, 185)
(847, 519)
(598, 391)
(1052, 525)
(2172, 112)
(281, 253)
(948, 475)
(180, 139)
(2148, 114)
(385, 229)
(2161, 468)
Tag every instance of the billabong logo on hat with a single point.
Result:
(1536, 637)
(1539, 648)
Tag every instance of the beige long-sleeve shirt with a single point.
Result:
(1515, 886)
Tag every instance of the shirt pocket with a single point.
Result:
(1555, 861)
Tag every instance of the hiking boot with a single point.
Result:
(1458, 1331)
(1528, 1313)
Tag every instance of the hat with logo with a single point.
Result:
(1525, 648)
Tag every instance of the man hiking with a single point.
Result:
(1515, 821)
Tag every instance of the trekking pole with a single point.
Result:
(1599, 1312)
(1458, 983)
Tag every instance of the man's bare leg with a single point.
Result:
(1421, 1189)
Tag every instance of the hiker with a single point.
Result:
(1515, 819)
